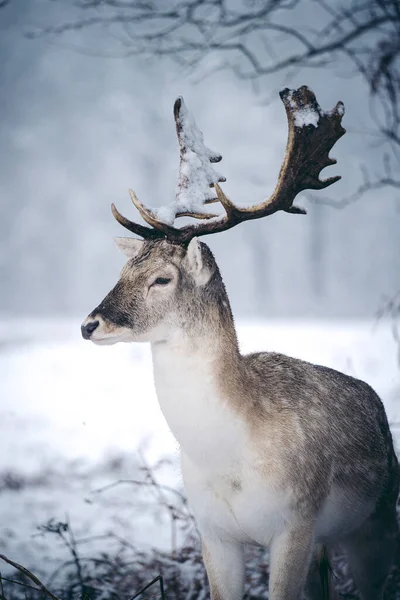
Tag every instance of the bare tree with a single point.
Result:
(257, 38)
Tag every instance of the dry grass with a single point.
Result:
(122, 572)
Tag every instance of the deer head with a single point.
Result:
(171, 276)
(159, 291)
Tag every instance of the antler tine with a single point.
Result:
(197, 215)
(159, 229)
(141, 230)
(196, 176)
(149, 216)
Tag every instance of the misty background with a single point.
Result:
(86, 95)
(82, 121)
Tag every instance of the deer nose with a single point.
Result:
(88, 328)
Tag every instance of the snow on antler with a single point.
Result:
(312, 134)
(196, 174)
(304, 115)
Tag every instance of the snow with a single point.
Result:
(74, 415)
(196, 173)
(340, 109)
(306, 116)
(166, 214)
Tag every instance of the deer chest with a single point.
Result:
(236, 503)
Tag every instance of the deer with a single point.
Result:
(275, 451)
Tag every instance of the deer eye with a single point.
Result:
(162, 281)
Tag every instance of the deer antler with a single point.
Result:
(196, 176)
(312, 134)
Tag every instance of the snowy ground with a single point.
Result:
(73, 416)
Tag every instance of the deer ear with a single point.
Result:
(197, 263)
(129, 246)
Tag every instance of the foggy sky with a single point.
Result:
(77, 130)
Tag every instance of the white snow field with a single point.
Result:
(73, 416)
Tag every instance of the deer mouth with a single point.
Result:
(105, 341)
(97, 330)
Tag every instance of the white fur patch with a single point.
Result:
(225, 490)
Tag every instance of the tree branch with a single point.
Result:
(31, 576)
(365, 33)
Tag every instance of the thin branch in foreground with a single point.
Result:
(146, 587)
(31, 576)
(16, 582)
(2, 596)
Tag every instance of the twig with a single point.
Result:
(64, 531)
(136, 482)
(2, 596)
(71, 544)
(158, 578)
(31, 576)
(366, 186)
(20, 583)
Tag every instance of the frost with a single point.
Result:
(166, 214)
(196, 173)
(290, 100)
(305, 116)
(340, 109)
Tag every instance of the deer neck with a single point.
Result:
(189, 370)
